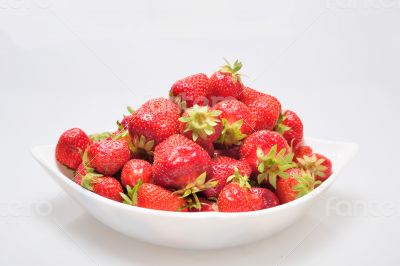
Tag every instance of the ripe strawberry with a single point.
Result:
(134, 170)
(297, 184)
(201, 124)
(317, 164)
(226, 82)
(301, 151)
(191, 90)
(236, 196)
(249, 94)
(220, 169)
(152, 123)
(268, 154)
(291, 128)
(237, 120)
(70, 146)
(105, 186)
(154, 197)
(263, 198)
(265, 108)
(108, 156)
(178, 162)
(205, 206)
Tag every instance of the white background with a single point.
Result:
(75, 63)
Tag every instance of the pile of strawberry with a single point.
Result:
(214, 145)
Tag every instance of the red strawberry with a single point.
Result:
(70, 147)
(191, 90)
(301, 151)
(108, 156)
(222, 168)
(317, 164)
(206, 206)
(154, 197)
(134, 170)
(264, 198)
(237, 120)
(152, 123)
(236, 196)
(108, 187)
(291, 128)
(265, 108)
(268, 154)
(226, 82)
(249, 94)
(105, 186)
(297, 184)
(178, 162)
(201, 124)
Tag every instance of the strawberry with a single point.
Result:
(268, 154)
(178, 162)
(249, 94)
(317, 164)
(201, 124)
(301, 151)
(297, 184)
(205, 206)
(220, 169)
(263, 198)
(236, 196)
(237, 121)
(105, 186)
(134, 170)
(154, 197)
(71, 144)
(152, 123)
(191, 90)
(226, 82)
(265, 108)
(108, 156)
(291, 128)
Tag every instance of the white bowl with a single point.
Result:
(207, 230)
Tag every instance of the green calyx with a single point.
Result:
(99, 136)
(273, 164)
(243, 181)
(142, 147)
(231, 133)
(306, 183)
(182, 105)
(312, 165)
(193, 188)
(131, 196)
(130, 109)
(280, 127)
(200, 121)
(233, 70)
(123, 133)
